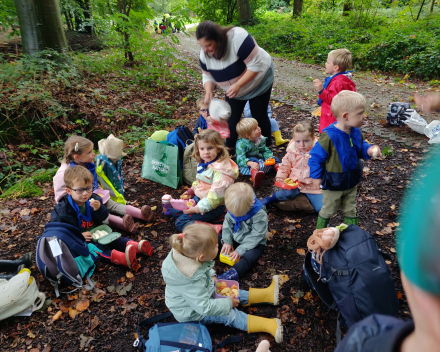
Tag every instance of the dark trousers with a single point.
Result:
(258, 107)
(118, 244)
(248, 260)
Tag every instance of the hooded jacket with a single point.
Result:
(246, 149)
(295, 166)
(189, 290)
(211, 184)
(335, 158)
(64, 212)
(59, 186)
(337, 84)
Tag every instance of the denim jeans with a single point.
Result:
(235, 319)
(182, 220)
(287, 194)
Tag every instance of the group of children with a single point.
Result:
(328, 170)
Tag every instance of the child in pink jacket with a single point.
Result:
(295, 166)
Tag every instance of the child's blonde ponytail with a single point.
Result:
(194, 240)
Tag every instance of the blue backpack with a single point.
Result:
(177, 337)
(181, 137)
(358, 281)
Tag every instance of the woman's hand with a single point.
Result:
(233, 90)
(253, 165)
(235, 257)
(227, 248)
(192, 210)
(87, 235)
(95, 204)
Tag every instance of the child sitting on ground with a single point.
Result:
(294, 166)
(83, 209)
(215, 173)
(334, 160)
(244, 228)
(79, 151)
(201, 123)
(252, 151)
(338, 61)
(276, 133)
(191, 284)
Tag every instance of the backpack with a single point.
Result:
(358, 281)
(395, 114)
(189, 169)
(181, 137)
(55, 260)
(110, 177)
(177, 337)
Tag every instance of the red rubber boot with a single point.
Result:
(127, 259)
(143, 247)
(257, 177)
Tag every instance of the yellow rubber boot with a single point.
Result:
(267, 295)
(271, 326)
(278, 139)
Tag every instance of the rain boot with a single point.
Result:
(231, 274)
(127, 259)
(276, 167)
(270, 200)
(217, 228)
(125, 223)
(144, 213)
(143, 247)
(351, 221)
(322, 223)
(268, 295)
(271, 326)
(278, 139)
(257, 177)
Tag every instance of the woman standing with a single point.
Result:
(231, 58)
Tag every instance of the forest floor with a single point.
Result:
(106, 319)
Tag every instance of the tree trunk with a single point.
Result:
(297, 7)
(41, 26)
(432, 6)
(346, 9)
(244, 11)
(67, 21)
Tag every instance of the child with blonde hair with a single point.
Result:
(338, 62)
(215, 173)
(201, 123)
(79, 151)
(294, 166)
(191, 284)
(252, 151)
(244, 233)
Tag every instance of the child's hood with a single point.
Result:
(226, 167)
(347, 79)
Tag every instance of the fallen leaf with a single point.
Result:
(95, 323)
(57, 315)
(254, 276)
(270, 235)
(308, 296)
(399, 295)
(154, 208)
(84, 340)
(48, 348)
(283, 279)
(393, 207)
(72, 297)
(392, 250)
(379, 233)
(291, 221)
(301, 311)
(122, 290)
(299, 294)
(295, 300)
(25, 211)
(129, 274)
(387, 262)
(31, 335)
(129, 306)
(82, 305)
(154, 233)
(301, 251)
(387, 230)
(73, 313)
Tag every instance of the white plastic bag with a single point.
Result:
(219, 110)
(435, 139)
(432, 129)
(415, 121)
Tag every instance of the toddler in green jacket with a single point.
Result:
(190, 286)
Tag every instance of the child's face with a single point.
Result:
(355, 118)
(204, 110)
(208, 151)
(80, 192)
(256, 132)
(87, 156)
(331, 68)
(303, 141)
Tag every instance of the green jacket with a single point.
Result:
(189, 290)
(246, 149)
(251, 233)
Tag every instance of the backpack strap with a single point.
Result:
(140, 341)
(228, 341)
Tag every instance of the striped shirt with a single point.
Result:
(242, 53)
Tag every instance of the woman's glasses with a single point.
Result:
(81, 190)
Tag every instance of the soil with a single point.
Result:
(104, 320)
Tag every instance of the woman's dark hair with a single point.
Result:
(209, 30)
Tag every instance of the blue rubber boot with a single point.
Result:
(231, 274)
(269, 200)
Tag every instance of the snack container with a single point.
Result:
(110, 237)
(226, 259)
(285, 185)
(269, 162)
(229, 283)
(104, 194)
(182, 204)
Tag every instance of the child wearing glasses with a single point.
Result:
(83, 209)
(201, 123)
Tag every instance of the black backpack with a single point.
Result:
(359, 282)
(181, 137)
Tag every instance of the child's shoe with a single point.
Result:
(143, 247)
(231, 274)
(278, 139)
(271, 326)
(267, 295)
(217, 228)
(144, 213)
(125, 223)
(127, 259)
(257, 177)
(322, 223)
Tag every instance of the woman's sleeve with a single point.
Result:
(255, 59)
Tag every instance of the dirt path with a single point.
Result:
(294, 81)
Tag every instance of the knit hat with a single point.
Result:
(418, 240)
(219, 109)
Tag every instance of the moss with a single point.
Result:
(27, 188)
(44, 175)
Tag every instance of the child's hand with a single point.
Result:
(95, 204)
(87, 235)
(235, 302)
(235, 256)
(374, 151)
(316, 182)
(227, 248)
(192, 210)
(215, 279)
(253, 165)
(318, 85)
